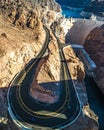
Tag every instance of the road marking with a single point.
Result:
(52, 113)
(27, 109)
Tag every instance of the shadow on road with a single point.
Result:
(96, 100)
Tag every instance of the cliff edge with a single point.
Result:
(94, 45)
(21, 38)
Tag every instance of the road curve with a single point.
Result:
(28, 113)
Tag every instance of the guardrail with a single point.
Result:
(17, 80)
(89, 64)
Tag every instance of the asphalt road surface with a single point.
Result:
(28, 112)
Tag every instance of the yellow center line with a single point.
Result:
(39, 113)
(31, 112)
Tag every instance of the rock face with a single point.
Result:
(71, 28)
(21, 38)
(75, 66)
(47, 88)
(94, 45)
(17, 48)
(27, 12)
(77, 72)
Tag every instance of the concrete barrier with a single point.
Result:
(76, 30)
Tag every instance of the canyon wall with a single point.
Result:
(90, 34)
(21, 38)
(94, 45)
(27, 13)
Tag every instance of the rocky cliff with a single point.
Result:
(71, 28)
(17, 47)
(75, 66)
(21, 33)
(94, 45)
(27, 12)
(21, 39)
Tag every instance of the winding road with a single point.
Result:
(29, 113)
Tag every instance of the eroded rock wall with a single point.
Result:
(94, 45)
(18, 44)
(17, 48)
(75, 66)
(26, 13)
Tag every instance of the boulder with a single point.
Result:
(94, 45)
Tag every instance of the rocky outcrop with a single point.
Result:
(46, 84)
(22, 40)
(17, 48)
(43, 86)
(26, 13)
(76, 69)
(94, 45)
(71, 28)
(75, 66)
(23, 44)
